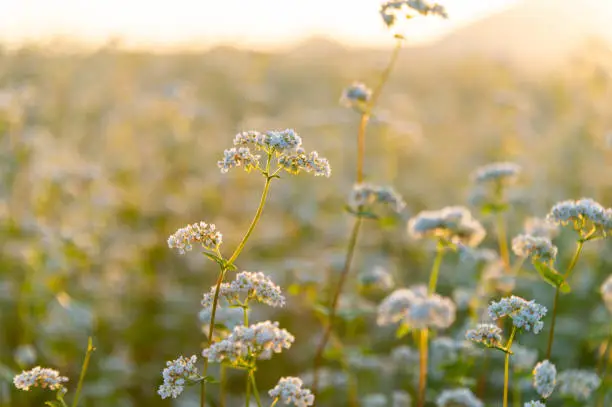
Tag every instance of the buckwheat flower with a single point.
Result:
(201, 233)
(377, 279)
(290, 392)
(401, 398)
(300, 161)
(534, 404)
(390, 10)
(495, 279)
(538, 248)
(488, 334)
(476, 256)
(403, 356)
(578, 384)
(176, 374)
(606, 292)
(525, 314)
(544, 378)
(44, 378)
(454, 224)
(392, 309)
(364, 195)
(358, 94)
(258, 340)
(278, 141)
(585, 215)
(417, 309)
(247, 286)
(539, 227)
(523, 358)
(458, 398)
(500, 172)
(238, 157)
(374, 400)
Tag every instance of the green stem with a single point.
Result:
(503, 241)
(507, 365)
(274, 402)
(88, 353)
(423, 356)
(334, 304)
(516, 394)
(248, 390)
(435, 269)
(223, 386)
(567, 274)
(254, 384)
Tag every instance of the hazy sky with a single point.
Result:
(262, 23)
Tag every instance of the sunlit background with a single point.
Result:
(113, 115)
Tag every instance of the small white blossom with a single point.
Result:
(176, 375)
(289, 391)
(606, 292)
(280, 141)
(238, 157)
(525, 314)
(539, 227)
(538, 248)
(308, 162)
(454, 224)
(458, 398)
(378, 279)
(356, 95)
(544, 378)
(589, 218)
(487, 334)
(247, 286)
(363, 195)
(44, 378)
(198, 233)
(390, 10)
(578, 384)
(502, 172)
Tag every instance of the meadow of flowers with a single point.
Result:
(260, 229)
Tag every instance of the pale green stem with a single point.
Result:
(248, 390)
(274, 402)
(507, 365)
(223, 386)
(255, 391)
(88, 353)
(423, 356)
(435, 269)
(516, 394)
(503, 241)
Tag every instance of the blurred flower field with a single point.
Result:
(107, 153)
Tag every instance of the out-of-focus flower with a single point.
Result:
(495, 279)
(487, 334)
(377, 279)
(401, 398)
(391, 10)
(374, 400)
(544, 378)
(176, 375)
(289, 391)
(198, 233)
(538, 248)
(357, 95)
(539, 227)
(525, 314)
(364, 195)
(453, 224)
(458, 398)
(534, 404)
(578, 384)
(523, 358)
(499, 172)
(44, 378)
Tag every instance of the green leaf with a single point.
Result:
(53, 403)
(552, 276)
(215, 258)
(492, 207)
(403, 330)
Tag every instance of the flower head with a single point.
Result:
(401, 398)
(501, 172)
(578, 384)
(374, 400)
(364, 195)
(538, 248)
(454, 224)
(356, 95)
(299, 161)
(544, 378)
(44, 378)
(247, 286)
(245, 343)
(488, 334)
(458, 398)
(238, 157)
(199, 233)
(176, 374)
(377, 279)
(525, 314)
(390, 10)
(289, 391)
(280, 141)
(587, 217)
(539, 227)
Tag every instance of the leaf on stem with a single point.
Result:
(552, 276)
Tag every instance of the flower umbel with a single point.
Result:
(44, 378)
(589, 218)
(247, 286)
(458, 397)
(176, 375)
(538, 248)
(201, 233)
(390, 10)
(525, 314)
(488, 334)
(544, 378)
(453, 224)
(501, 172)
(364, 195)
(289, 391)
(578, 384)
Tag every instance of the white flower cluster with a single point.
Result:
(249, 285)
(458, 398)
(539, 227)
(366, 194)
(300, 161)
(238, 157)
(199, 233)
(390, 9)
(374, 400)
(176, 374)
(544, 378)
(535, 403)
(487, 334)
(281, 142)
(454, 224)
(289, 391)
(417, 309)
(355, 95)
(606, 292)
(44, 378)
(404, 356)
(259, 340)
(586, 216)
(377, 279)
(401, 398)
(538, 248)
(525, 314)
(578, 384)
(503, 172)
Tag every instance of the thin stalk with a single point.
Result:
(274, 402)
(334, 304)
(248, 390)
(233, 257)
(507, 366)
(223, 386)
(503, 241)
(84, 367)
(435, 269)
(423, 355)
(567, 274)
(254, 385)
(516, 395)
(363, 123)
